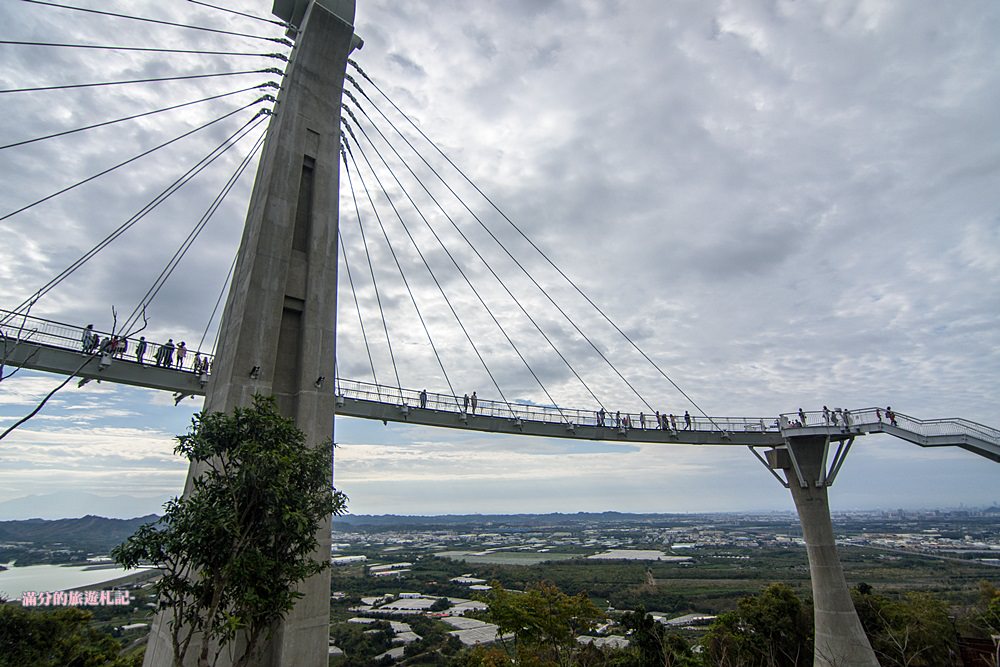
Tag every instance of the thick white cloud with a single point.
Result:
(784, 203)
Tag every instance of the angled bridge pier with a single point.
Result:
(840, 641)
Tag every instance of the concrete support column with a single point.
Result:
(840, 640)
(278, 331)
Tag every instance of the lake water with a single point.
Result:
(44, 578)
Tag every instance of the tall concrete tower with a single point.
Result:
(278, 331)
(840, 641)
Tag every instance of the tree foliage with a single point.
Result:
(653, 645)
(61, 637)
(914, 631)
(235, 546)
(772, 629)
(544, 621)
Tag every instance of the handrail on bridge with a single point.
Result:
(31, 329)
(368, 391)
(18, 327)
(879, 418)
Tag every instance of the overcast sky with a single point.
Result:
(783, 203)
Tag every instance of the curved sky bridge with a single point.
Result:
(46, 345)
(282, 310)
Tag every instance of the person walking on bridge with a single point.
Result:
(465, 403)
(687, 420)
(423, 399)
(802, 416)
(474, 400)
(87, 340)
(140, 349)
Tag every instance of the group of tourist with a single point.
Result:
(167, 355)
(841, 417)
(659, 421)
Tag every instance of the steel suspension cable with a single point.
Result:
(371, 268)
(160, 22)
(215, 309)
(233, 11)
(128, 161)
(444, 247)
(145, 49)
(533, 244)
(357, 305)
(427, 265)
(268, 70)
(192, 236)
(180, 182)
(139, 115)
(503, 247)
(475, 250)
(402, 275)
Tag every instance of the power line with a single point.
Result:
(277, 56)
(269, 70)
(132, 159)
(140, 115)
(160, 22)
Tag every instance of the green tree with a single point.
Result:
(912, 632)
(544, 621)
(58, 638)
(440, 604)
(232, 550)
(654, 645)
(772, 629)
(990, 616)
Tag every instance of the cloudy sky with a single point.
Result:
(783, 203)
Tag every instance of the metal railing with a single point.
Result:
(368, 391)
(37, 330)
(878, 417)
(16, 327)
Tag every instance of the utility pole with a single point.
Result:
(278, 331)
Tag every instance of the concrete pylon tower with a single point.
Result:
(278, 331)
(840, 641)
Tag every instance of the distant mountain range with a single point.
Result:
(89, 533)
(71, 504)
